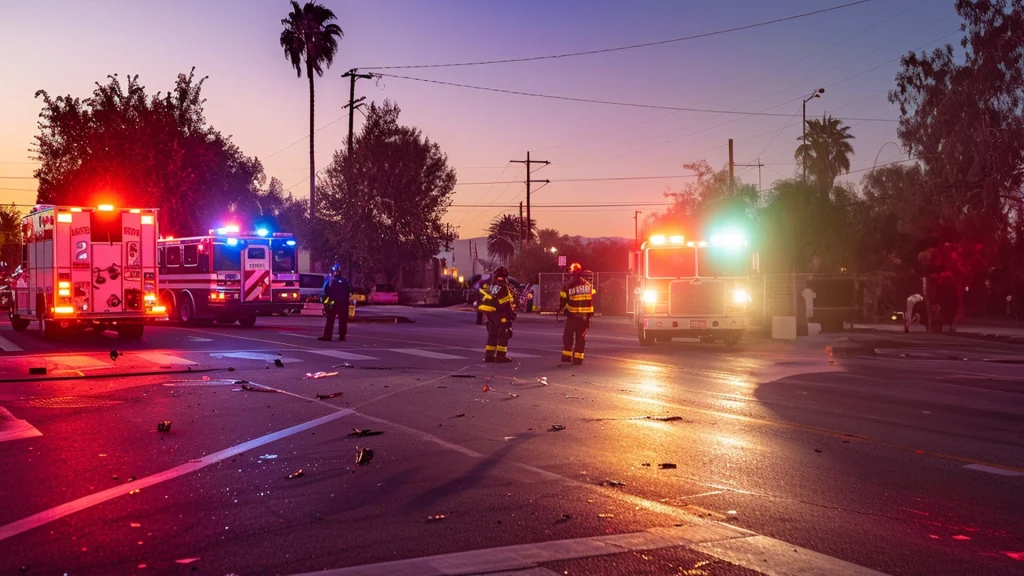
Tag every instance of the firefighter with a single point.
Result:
(335, 297)
(578, 304)
(498, 305)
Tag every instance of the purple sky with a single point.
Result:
(254, 95)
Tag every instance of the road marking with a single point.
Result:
(254, 356)
(297, 335)
(198, 339)
(82, 362)
(775, 557)
(511, 353)
(994, 470)
(8, 346)
(37, 520)
(163, 359)
(13, 429)
(426, 354)
(343, 355)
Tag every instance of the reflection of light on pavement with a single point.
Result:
(649, 368)
(738, 380)
(730, 404)
(649, 386)
(730, 442)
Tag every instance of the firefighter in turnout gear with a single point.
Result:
(336, 294)
(498, 305)
(578, 306)
(484, 290)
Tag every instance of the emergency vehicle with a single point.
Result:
(228, 276)
(87, 268)
(692, 289)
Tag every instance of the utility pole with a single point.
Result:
(732, 178)
(759, 166)
(529, 171)
(353, 75)
(522, 228)
(636, 229)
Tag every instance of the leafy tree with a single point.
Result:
(526, 266)
(384, 200)
(503, 237)
(124, 147)
(10, 235)
(826, 151)
(548, 237)
(310, 42)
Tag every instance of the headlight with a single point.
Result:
(741, 297)
(651, 296)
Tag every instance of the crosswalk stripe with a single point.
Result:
(427, 354)
(297, 335)
(512, 353)
(342, 355)
(8, 346)
(79, 362)
(13, 429)
(158, 358)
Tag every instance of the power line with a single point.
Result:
(17, 177)
(629, 47)
(609, 179)
(596, 205)
(609, 102)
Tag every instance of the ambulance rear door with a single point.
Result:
(256, 271)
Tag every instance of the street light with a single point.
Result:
(553, 250)
(817, 94)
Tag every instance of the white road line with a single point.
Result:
(426, 354)
(198, 339)
(36, 520)
(777, 558)
(513, 353)
(297, 335)
(261, 356)
(81, 362)
(8, 346)
(342, 355)
(163, 359)
(994, 470)
(13, 429)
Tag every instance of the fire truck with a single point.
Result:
(87, 268)
(692, 289)
(227, 276)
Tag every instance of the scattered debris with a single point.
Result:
(667, 466)
(731, 512)
(846, 441)
(240, 382)
(114, 354)
(564, 518)
(602, 515)
(206, 378)
(817, 449)
(571, 397)
(278, 363)
(135, 525)
(41, 370)
(164, 426)
(646, 464)
(442, 386)
(435, 518)
(131, 479)
(463, 375)
(268, 457)
(665, 418)
(363, 456)
(543, 380)
(186, 560)
(328, 396)
(613, 483)
(133, 492)
(356, 432)
(486, 388)
(297, 474)
(318, 375)
(460, 414)
(343, 365)
(556, 428)
(507, 438)
(231, 368)
(512, 395)
(249, 388)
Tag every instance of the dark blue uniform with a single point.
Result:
(336, 294)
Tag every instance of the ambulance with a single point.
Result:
(87, 268)
(228, 276)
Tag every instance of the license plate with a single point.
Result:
(698, 323)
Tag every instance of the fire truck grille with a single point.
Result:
(706, 298)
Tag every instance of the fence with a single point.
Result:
(614, 292)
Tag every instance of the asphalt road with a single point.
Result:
(898, 454)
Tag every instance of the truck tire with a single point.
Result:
(48, 329)
(642, 336)
(247, 321)
(130, 331)
(732, 339)
(187, 312)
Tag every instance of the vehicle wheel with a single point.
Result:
(247, 321)
(48, 329)
(18, 323)
(732, 339)
(130, 331)
(643, 337)
(187, 312)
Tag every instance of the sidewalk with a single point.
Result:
(1013, 334)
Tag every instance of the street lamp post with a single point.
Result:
(817, 94)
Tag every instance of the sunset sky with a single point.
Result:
(253, 94)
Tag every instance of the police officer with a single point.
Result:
(336, 294)
(578, 304)
(498, 305)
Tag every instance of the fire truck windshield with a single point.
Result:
(227, 257)
(284, 259)
(721, 262)
(670, 262)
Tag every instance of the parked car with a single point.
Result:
(359, 296)
(311, 286)
(383, 294)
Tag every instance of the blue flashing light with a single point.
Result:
(232, 241)
(290, 242)
(262, 232)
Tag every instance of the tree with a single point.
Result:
(826, 151)
(124, 147)
(503, 237)
(10, 235)
(310, 42)
(548, 237)
(384, 200)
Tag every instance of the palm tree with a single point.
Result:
(503, 237)
(310, 42)
(548, 237)
(826, 151)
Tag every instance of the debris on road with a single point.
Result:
(486, 388)
(318, 375)
(249, 388)
(297, 474)
(268, 457)
(556, 428)
(507, 438)
(356, 432)
(571, 397)
(613, 483)
(646, 464)
(435, 518)
(460, 414)
(543, 380)
(603, 515)
(278, 363)
(114, 354)
(463, 375)
(328, 396)
(164, 426)
(343, 365)
(363, 456)
(667, 466)
(817, 449)
(665, 418)
(186, 560)
(563, 519)
(37, 371)
(513, 395)
(133, 492)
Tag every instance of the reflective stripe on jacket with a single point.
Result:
(578, 297)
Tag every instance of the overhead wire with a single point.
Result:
(627, 47)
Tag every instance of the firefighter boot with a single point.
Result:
(502, 356)
(489, 353)
(577, 359)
